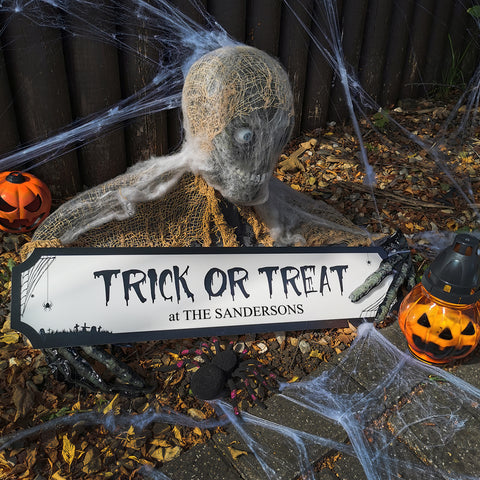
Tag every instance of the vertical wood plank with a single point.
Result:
(412, 82)
(319, 71)
(455, 40)
(470, 50)
(174, 117)
(396, 51)
(9, 138)
(39, 85)
(374, 46)
(293, 50)
(147, 135)
(231, 15)
(438, 43)
(94, 76)
(353, 23)
(263, 24)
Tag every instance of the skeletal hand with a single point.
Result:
(74, 364)
(397, 262)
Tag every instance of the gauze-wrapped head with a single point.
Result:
(238, 107)
(238, 114)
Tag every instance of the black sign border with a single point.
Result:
(40, 341)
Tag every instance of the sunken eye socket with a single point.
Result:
(243, 135)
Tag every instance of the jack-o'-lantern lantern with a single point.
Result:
(440, 317)
(25, 201)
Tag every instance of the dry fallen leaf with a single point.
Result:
(112, 405)
(177, 433)
(196, 414)
(171, 453)
(10, 337)
(58, 476)
(5, 465)
(92, 462)
(158, 454)
(23, 399)
(166, 454)
(68, 450)
(158, 442)
(235, 453)
(31, 458)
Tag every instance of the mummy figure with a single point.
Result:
(218, 190)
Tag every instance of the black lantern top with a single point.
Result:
(454, 276)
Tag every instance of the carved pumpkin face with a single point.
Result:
(25, 202)
(436, 331)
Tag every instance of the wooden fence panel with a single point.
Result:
(42, 104)
(374, 47)
(353, 22)
(471, 45)
(94, 78)
(9, 137)
(231, 15)
(438, 42)
(174, 117)
(397, 49)
(146, 135)
(412, 84)
(263, 24)
(293, 51)
(319, 74)
(457, 39)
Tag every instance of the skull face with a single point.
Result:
(237, 105)
(245, 154)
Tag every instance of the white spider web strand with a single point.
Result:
(359, 100)
(177, 40)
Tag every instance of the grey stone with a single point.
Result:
(203, 462)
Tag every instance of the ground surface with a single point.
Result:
(412, 194)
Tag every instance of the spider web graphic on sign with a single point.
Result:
(31, 277)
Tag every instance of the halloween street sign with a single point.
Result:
(68, 297)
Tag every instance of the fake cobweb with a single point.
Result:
(377, 407)
(382, 410)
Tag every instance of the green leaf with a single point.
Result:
(381, 118)
(474, 11)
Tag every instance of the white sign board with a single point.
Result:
(92, 296)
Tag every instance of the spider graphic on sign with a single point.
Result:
(47, 306)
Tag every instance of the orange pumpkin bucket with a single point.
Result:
(440, 317)
(25, 202)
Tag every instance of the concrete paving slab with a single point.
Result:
(281, 452)
(203, 462)
(442, 431)
(214, 461)
(325, 474)
(394, 335)
(348, 468)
